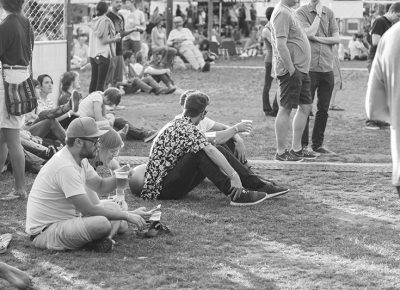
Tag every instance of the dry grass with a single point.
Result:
(333, 231)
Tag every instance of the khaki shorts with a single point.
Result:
(65, 235)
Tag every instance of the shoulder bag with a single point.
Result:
(19, 91)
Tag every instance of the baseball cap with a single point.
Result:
(84, 127)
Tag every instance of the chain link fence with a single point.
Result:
(47, 19)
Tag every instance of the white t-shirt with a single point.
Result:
(61, 177)
(205, 125)
(355, 47)
(86, 108)
(134, 19)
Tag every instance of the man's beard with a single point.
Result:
(86, 153)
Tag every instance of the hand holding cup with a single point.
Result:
(245, 127)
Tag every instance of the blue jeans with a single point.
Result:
(322, 83)
(100, 66)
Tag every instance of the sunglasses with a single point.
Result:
(95, 141)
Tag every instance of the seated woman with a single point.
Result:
(69, 85)
(157, 72)
(38, 125)
(94, 106)
(159, 43)
(133, 82)
(110, 145)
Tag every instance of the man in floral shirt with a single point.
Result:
(181, 157)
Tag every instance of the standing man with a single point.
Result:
(115, 70)
(383, 93)
(292, 55)
(322, 30)
(379, 27)
(136, 22)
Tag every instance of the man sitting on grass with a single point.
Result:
(60, 215)
(225, 136)
(181, 157)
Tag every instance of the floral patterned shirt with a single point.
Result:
(176, 139)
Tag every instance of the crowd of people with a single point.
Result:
(65, 142)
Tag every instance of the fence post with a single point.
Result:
(210, 19)
(68, 28)
(169, 16)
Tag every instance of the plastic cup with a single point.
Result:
(122, 180)
(248, 132)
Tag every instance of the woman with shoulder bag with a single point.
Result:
(102, 40)
(16, 46)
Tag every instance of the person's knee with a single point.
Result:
(123, 228)
(305, 108)
(136, 179)
(97, 226)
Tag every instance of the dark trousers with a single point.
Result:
(267, 87)
(100, 65)
(133, 132)
(165, 78)
(322, 83)
(191, 169)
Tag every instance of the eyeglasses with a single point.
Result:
(95, 141)
(204, 114)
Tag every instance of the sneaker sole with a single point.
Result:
(301, 160)
(372, 128)
(277, 194)
(150, 138)
(250, 203)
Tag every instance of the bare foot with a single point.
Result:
(14, 276)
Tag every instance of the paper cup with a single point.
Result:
(247, 121)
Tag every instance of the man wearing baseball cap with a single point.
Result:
(60, 214)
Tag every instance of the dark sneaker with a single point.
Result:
(286, 156)
(101, 246)
(335, 108)
(150, 136)
(383, 125)
(249, 198)
(157, 228)
(273, 190)
(323, 150)
(306, 154)
(372, 125)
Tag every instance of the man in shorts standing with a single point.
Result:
(292, 56)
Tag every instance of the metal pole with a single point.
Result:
(220, 16)
(210, 18)
(170, 4)
(68, 28)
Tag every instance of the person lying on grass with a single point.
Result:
(181, 157)
(226, 136)
(60, 213)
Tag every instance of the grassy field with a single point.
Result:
(334, 230)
